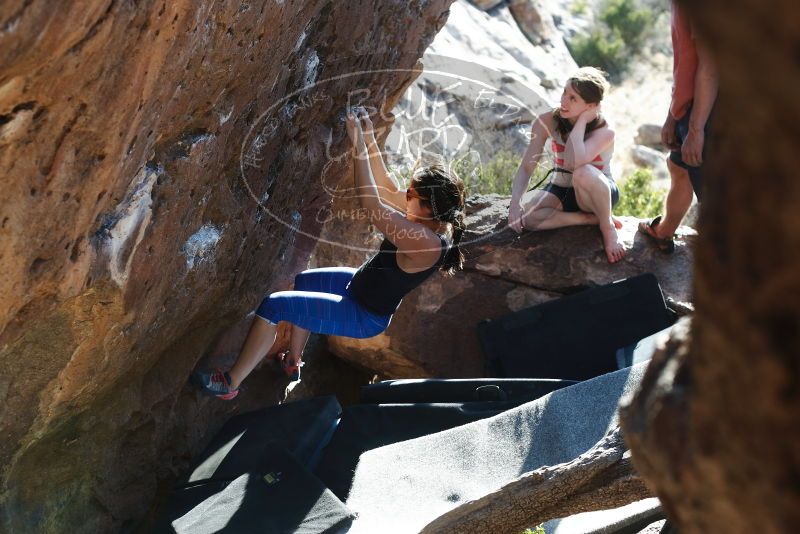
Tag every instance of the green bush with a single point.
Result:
(619, 35)
(600, 48)
(537, 530)
(494, 176)
(483, 178)
(629, 19)
(638, 197)
(579, 7)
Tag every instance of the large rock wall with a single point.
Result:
(137, 141)
(714, 428)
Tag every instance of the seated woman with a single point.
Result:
(422, 227)
(582, 189)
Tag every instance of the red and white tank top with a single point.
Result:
(602, 162)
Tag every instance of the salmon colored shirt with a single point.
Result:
(684, 64)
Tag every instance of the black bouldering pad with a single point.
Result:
(460, 390)
(300, 427)
(283, 497)
(575, 337)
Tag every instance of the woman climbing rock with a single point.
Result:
(422, 228)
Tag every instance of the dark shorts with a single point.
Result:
(695, 173)
(567, 195)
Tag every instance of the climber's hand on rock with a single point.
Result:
(367, 127)
(354, 129)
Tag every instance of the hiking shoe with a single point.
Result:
(217, 384)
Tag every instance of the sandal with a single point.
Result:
(666, 244)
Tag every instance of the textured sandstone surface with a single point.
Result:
(433, 333)
(137, 141)
(130, 246)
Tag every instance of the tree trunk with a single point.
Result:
(601, 478)
(715, 427)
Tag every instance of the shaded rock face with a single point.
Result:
(714, 428)
(433, 333)
(137, 141)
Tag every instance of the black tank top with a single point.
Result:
(380, 284)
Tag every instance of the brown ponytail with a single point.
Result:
(564, 127)
(446, 194)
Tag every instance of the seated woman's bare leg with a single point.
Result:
(594, 196)
(560, 219)
(259, 340)
(542, 210)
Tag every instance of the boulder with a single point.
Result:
(486, 5)
(649, 135)
(162, 163)
(571, 17)
(484, 82)
(535, 20)
(692, 216)
(648, 157)
(433, 333)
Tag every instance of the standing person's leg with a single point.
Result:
(593, 192)
(684, 180)
(679, 199)
(681, 186)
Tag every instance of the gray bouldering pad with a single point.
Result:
(629, 519)
(404, 486)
